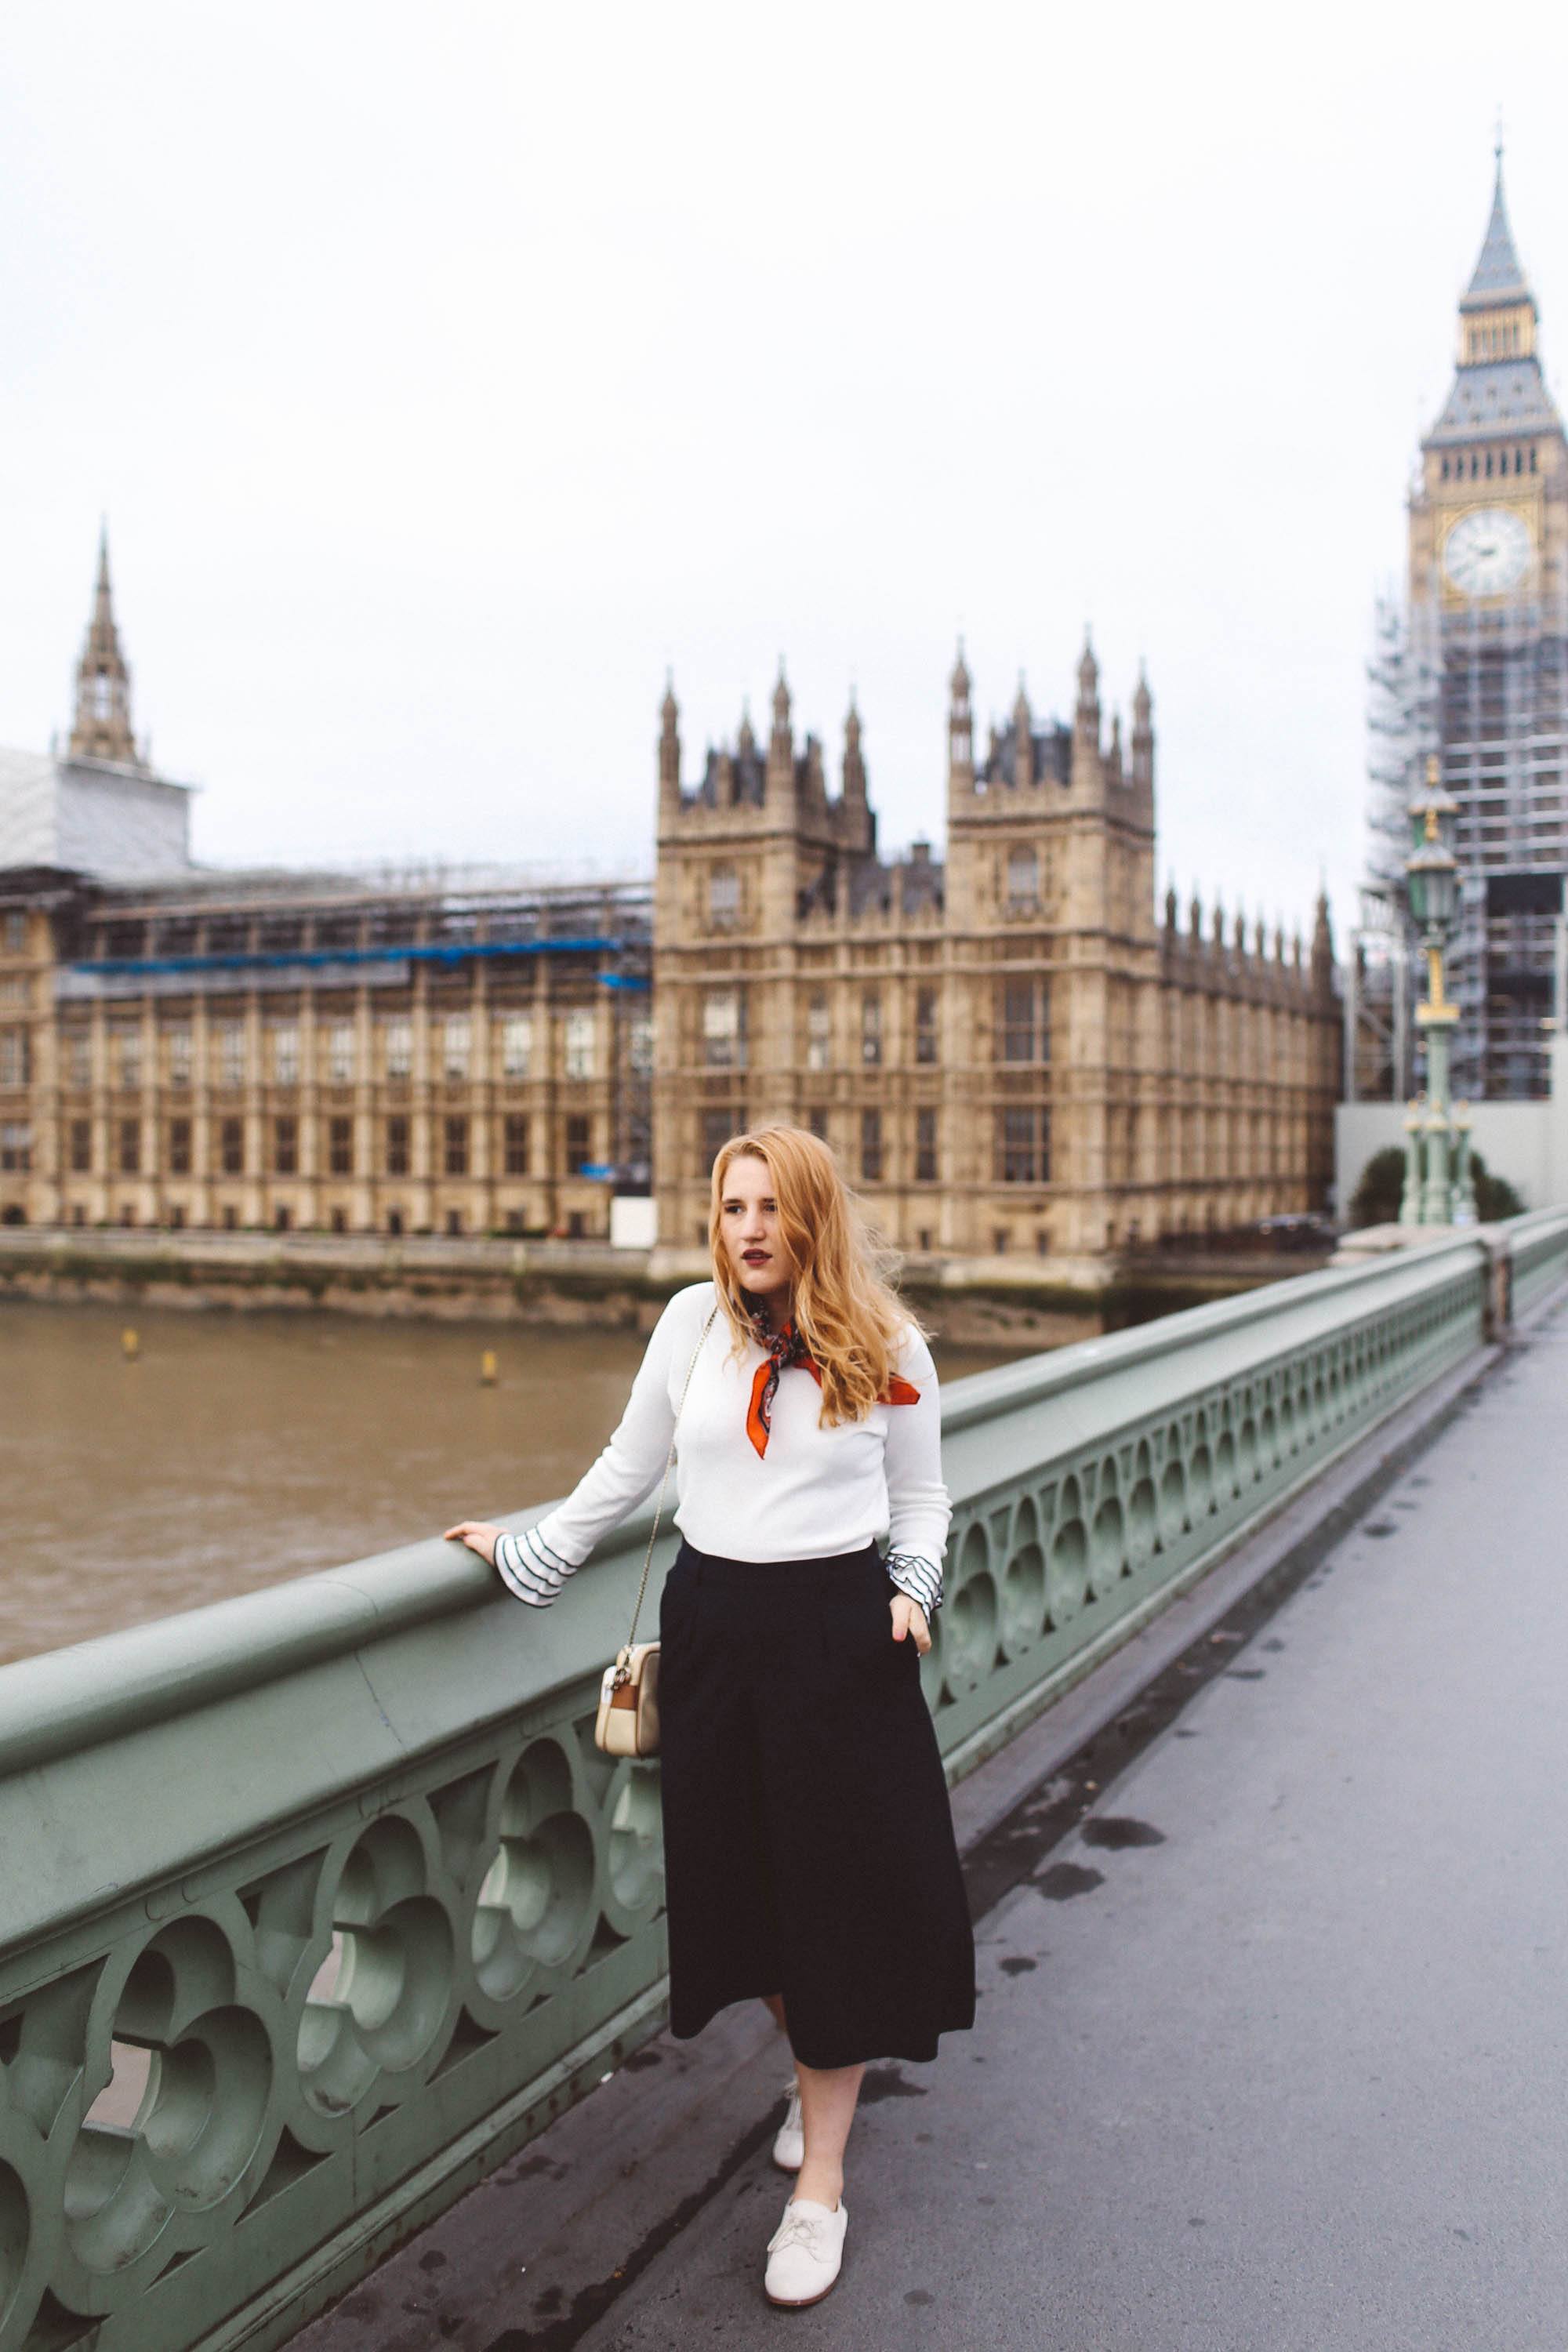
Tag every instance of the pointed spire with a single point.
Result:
(854, 760)
(101, 730)
(746, 740)
(960, 727)
(1023, 736)
(1499, 329)
(1497, 275)
(1086, 722)
(1144, 733)
(669, 744)
(780, 743)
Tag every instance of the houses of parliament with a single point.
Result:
(1013, 1049)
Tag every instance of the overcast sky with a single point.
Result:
(446, 372)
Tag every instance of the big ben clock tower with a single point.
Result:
(1488, 638)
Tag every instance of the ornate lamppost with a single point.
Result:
(1437, 1182)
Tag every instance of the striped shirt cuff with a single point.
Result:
(530, 1570)
(917, 1576)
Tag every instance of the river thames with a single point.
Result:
(236, 1450)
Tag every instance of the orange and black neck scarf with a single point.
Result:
(786, 1348)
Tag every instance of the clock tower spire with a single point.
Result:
(1498, 317)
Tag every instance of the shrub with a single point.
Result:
(1376, 1201)
(1377, 1195)
(1495, 1196)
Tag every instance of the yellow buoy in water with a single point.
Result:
(130, 1342)
(488, 1369)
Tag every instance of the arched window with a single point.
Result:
(723, 894)
(1023, 877)
(724, 1029)
(819, 1034)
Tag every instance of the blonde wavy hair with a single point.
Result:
(844, 1302)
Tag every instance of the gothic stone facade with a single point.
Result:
(288, 1050)
(1011, 1053)
(274, 1051)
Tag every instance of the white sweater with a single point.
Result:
(814, 1493)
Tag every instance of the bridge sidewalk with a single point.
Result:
(1270, 2054)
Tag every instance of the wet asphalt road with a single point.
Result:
(1271, 2052)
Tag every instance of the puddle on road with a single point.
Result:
(1062, 1880)
(1118, 1831)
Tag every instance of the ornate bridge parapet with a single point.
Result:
(317, 1902)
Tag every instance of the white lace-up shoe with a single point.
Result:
(789, 2140)
(806, 2251)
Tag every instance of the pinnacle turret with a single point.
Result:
(1142, 733)
(960, 726)
(669, 743)
(854, 771)
(780, 777)
(1023, 738)
(1086, 724)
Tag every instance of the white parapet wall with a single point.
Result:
(633, 1221)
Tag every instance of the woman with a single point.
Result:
(809, 1852)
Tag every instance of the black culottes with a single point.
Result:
(808, 1839)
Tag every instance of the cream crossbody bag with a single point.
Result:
(627, 1722)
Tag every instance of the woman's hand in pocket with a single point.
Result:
(910, 1622)
(479, 1535)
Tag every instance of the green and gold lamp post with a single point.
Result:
(1435, 1186)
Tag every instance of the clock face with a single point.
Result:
(1488, 552)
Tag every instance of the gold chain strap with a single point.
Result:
(622, 1670)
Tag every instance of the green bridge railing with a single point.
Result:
(318, 1903)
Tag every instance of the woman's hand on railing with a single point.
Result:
(910, 1619)
(479, 1535)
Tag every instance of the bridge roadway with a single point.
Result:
(1270, 2055)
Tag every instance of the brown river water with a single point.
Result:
(234, 1451)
